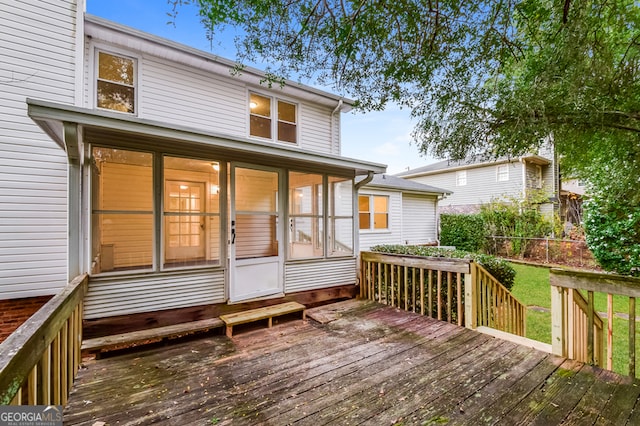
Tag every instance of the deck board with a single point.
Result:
(364, 364)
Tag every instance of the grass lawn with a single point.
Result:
(532, 288)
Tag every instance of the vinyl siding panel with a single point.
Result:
(191, 95)
(418, 219)
(313, 275)
(393, 235)
(37, 40)
(482, 185)
(110, 296)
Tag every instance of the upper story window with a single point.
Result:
(116, 82)
(262, 109)
(502, 173)
(461, 178)
(373, 211)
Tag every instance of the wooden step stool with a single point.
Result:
(268, 312)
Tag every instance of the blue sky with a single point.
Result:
(381, 136)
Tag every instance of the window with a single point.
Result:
(538, 177)
(373, 211)
(461, 178)
(115, 85)
(124, 235)
(261, 123)
(306, 236)
(502, 173)
(340, 220)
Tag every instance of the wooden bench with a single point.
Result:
(106, 343)
(268, 312)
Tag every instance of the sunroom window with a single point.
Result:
(122, 219)
(340, 232)
(116, 81)
(306, 230)
(124, 232)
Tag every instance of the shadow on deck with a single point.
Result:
(367, 364)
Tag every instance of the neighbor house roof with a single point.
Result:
(451, 165)
(392, 182)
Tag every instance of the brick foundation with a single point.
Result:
(14, 312)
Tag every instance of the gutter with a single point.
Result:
(364, 181)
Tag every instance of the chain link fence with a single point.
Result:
(542, 250)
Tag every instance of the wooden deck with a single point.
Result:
(361, 364)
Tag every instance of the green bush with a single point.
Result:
(613, 234)
(499, 268)
(463, 231)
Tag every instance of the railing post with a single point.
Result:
(632, 336)
(558, 344)
(470, 294)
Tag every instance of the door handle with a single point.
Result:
(233, 232)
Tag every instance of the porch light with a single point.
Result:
(216, 166)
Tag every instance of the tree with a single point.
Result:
(482, 77)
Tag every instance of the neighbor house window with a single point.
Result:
(306, 219)
(502, 174)
(261, 111)
(116, 82)
(124, 232)
(373, 211)
(538, 177)
(461, 178)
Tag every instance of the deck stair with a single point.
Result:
(267, 312)
(106, 343)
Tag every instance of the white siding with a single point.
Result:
(314, 275)
(178, 88)
(418, 219)
(110, 296)
(393, 235)
(37, 41)
(482, 185)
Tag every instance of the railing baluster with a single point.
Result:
(422, 298)
(459, 298)
(406, 288)
(609, 331)
(430, 282)
(590, 330)
(439, 295)
(632, 336)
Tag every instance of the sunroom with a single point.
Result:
(164, 218)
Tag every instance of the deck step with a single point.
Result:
(106, 343)
(267, 312)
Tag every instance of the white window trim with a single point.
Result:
(461, 175)
(92, 98)
(371, 229)
(502, 170)
(274, 117)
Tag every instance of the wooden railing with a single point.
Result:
(39, 361)
(496, 307)
(458, 291)
(576, 328)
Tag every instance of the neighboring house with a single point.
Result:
(397, 211)
(174, 184)
(480, 182)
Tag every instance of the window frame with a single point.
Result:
(372, 213)
(274, 118)
(114, 51)
(502, 173)
(461, 178)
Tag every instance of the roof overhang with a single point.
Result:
(536, 159)
(67, 125)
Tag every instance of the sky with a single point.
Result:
(379, 136)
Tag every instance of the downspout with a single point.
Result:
(333, 113)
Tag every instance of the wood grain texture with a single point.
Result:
(370, 364)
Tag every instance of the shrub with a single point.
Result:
(499, 268)
(463, 231)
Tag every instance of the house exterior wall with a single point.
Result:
(38, 60)
(16, 311)
(392, 235)
(316, 274)
(419, 222)
(482, 185)
(174, 87)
